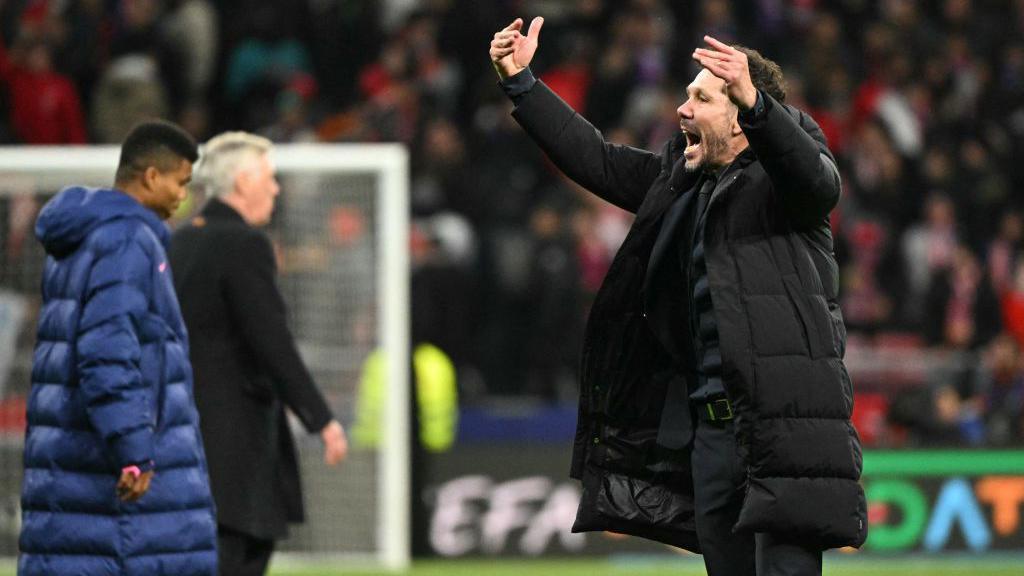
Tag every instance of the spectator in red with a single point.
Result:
(870, 276)
(1013, 304)
(45, 108)
(571, 78)
(1005, 250)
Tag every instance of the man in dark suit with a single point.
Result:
(247, 367)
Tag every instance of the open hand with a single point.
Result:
(730, 65)
(511, 52)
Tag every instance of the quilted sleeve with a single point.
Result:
(118, 401)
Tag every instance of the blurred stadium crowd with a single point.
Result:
(923, 103)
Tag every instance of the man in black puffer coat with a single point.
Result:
(714, 403)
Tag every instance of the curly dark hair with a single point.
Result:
(765, 73)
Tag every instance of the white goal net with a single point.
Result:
(341, 227)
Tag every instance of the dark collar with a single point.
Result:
(217, 210)
(741, 161)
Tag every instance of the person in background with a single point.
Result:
(962, 307)
(248, 368)
(45, 107)
(115, 477)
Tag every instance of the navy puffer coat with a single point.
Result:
(111, 387)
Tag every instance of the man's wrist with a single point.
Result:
(138, 469)
(755, 111)
(519, 83)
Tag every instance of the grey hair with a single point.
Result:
(224, 156)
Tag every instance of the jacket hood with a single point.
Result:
(66, 220)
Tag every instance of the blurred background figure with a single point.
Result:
(924, 106)
(247, 366)
(45, 107)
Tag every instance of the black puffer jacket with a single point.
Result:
(774, 284)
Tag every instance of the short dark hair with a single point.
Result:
(155, 143)
(765, 73)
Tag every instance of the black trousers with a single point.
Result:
(718, 482)
(240, 554)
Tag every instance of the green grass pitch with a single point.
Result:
(834, 566)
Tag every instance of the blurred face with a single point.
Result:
(707, 119)
(39, 59)
(164, 191)
(941, 213)
(1018, 277)
(258, 188)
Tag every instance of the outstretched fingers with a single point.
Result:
(511, 51)
(535, 25)
(721, 60)
(515, 25)
(711, 54)
(719, 46)
(508, 35)
(716, 66)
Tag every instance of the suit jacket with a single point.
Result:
(247, 369)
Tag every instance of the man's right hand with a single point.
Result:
(511, 52)
(335, 443)
(133, 484)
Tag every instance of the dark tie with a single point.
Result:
(675, 430)
(703, 199)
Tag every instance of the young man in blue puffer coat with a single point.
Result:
(115, 476)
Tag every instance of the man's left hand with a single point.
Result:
(133, 484)
(730, 65)
(335, 443)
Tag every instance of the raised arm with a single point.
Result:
(618, 174)
(787, 142)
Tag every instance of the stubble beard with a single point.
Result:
(713, 146)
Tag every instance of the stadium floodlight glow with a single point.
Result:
(347, 293)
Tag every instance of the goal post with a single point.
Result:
(341, 228)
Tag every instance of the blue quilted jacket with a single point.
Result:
(111, 387)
